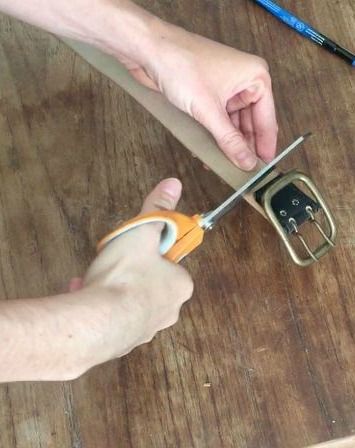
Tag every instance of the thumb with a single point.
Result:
(141, 76)
(165, 196)
(228, 137)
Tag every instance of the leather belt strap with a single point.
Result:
(348, 442)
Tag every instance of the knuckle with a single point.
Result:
(243, 99)
(174, 318)
(265, 79)
(164, 202)
(263, 71)
(230, 140)
(149, 338)
(262, 64)
(187, 287)
(249, 133)
(183, 286)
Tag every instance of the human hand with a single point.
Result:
(129, 293)
(228, 91)
(131, 288)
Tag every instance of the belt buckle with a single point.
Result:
(328, 235)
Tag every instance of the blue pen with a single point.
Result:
(306, 30)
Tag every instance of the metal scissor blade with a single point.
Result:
(210, 219)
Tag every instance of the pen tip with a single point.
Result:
(306, 135)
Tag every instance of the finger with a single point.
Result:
(165, 196)
(247, 127)
(235, 119)
(229, 138)
(245, 98)
(236, 103)
(243, 120)
(141, 76)
(265, 126)
(75, 284)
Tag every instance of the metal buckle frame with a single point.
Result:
(329, 236)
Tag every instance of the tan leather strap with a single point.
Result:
(348, 442)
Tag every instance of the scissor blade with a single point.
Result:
(212, 217)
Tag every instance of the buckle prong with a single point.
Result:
(318, 226)
(301, 239)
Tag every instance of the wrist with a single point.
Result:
(129, 32)
(109, 329)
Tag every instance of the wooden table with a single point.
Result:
(264, 354)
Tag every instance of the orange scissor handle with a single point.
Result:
(180, 236)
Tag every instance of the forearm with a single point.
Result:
(116, 26)
(52, 338)
(128, 294)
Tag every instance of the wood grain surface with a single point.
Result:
(263, 355)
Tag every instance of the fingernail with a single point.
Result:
(172, 187)
(75, 284)
(246, 160)
(268, 159)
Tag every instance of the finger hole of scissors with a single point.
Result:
(168, 237)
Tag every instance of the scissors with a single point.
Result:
(182, 234)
